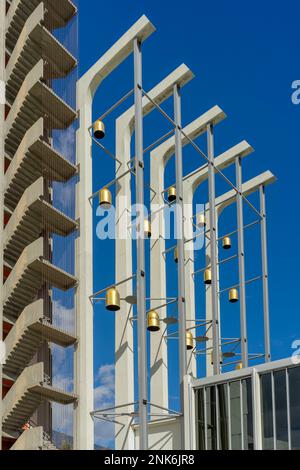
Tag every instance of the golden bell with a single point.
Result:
(233, 296)
(176, 255)
(105, 198)
(207, 276)
(153, 321)
(189, 341)
(226, 243)
(200, 220)
(112, 300)
(147, 228)
(99, 129)
(239, 366)
(172, 194)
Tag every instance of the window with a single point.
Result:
(225, 412)
(211, 416)
(281, 416)
(201, 419)
(247, 414)
(220, 411)
(294, 386)
(235, 416)
(267, 412)
(223, 416)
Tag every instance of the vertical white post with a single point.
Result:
(264, 255)
(213, 251)
(179, 222)
(124, 361)
(257, 410)
(83, 366)
(188, 193)
(158, 344)
(140, 250)
(208, 296)
(86, 88)
(241, 258)
(124, 392)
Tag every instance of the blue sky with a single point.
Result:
(245, 60)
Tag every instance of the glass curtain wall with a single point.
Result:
(280, 394)
(224, 416)
(224, 412)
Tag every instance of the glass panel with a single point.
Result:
(247, 414)
(211, 418)
(294, 382)
(223, 416)
(267, 414)
(200, 424)
(281, 410)
(235, 415)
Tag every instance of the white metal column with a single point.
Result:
(86, 89)
(124, 354)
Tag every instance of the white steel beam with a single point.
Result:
(86, 88)
(191, 183)
(124, 391)
(158, 161)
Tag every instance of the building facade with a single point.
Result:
(37, 118)
(46, 285)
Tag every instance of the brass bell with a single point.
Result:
(189, 341)
(207, 276)
(226, 243)
(112, 300)
(105, 198)
(172, 194)
(239, 366)
(200, 220)
(176, 255)
(233, 296)
(153, 321)
(147, 228)
(99, 129)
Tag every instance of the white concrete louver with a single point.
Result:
(34, 57)
(31, 216)
(30, 272)
(35, 100)
(34, 158)
(34, 439)
(27, 393)
(27, 334)
(36, 42)
(57, 15)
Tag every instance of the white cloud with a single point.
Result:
(63, 382)
(64, 142)
(63, 317)
(62, 418)
(104, 394)
(64, 197)
(59, 356)
(104, 397)
(64, 193)
(62, 367)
